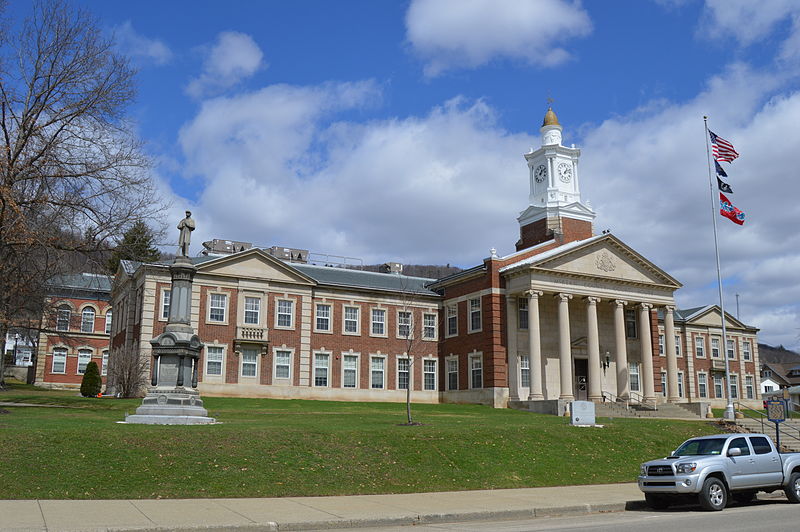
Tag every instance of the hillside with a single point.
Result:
(777, 355)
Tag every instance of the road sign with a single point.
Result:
(776, 411)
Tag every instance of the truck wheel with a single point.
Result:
(792, 489)
(713, 496)
(656, 501)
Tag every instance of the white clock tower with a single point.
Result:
(555, 208)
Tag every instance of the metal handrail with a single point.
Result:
(643, 401)
(785, 430)
(616, 400)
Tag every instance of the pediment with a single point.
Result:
(711, 316)
(605, 257)
(254, 263)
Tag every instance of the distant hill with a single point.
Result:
(777, 355)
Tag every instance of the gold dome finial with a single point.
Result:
(550, 118)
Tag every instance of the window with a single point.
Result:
(104, 362)
(217, 305)
(677, 345)
(760, 445)
(108, 322)
(452, 374)
(87, 320)
(59, 360)
(741, 444)
(476, 371)
(378, 322)
(350, 371)
(249, 362)
(62, 318)
(252, 310)
(429, 374)
(213, 360)
(522, 312)
(283, 364)
(702, 385)
(663, 384)
(525, 372)
(321, 361)
(376, 372)
(285, 313)
(767, 389)
(730, 350)
(633, 373)
(630, 323)
(166, 297)
(429, 326)
(475, 314)
(680, 384)
(351, 320)
(699, 347)
(403, 324)
(734, 386)
(718, 392)
(403, 374)
(323, 322)
(715, 348)
(452, 320)
(767, 373)
(746, 354)
(661, 344)
(748, 387)
(84, 357)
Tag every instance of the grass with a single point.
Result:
(273, 448)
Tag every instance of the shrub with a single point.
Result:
(91, 383)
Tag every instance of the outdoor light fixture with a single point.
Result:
(606, 362)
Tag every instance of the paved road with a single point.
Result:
(764, 515)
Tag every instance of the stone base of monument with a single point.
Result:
(171, 406)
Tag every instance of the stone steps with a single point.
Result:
(790, 431)
(665, 411)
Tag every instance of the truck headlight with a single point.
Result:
(687, 467)
(643, 470)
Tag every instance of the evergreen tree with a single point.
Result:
(91, 382)
(137, 244)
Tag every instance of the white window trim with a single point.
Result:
(678, 350)
(397, 359)
(293, 302)
(208, 307)
(357, 332)
(162, 302)
(66, 356)
(221, 376)
(702, 340)
(78, 352)
(472, 356)
(94, 318)
(385, 323)
(358, 369)
(661, 348)
(106, 329)
(435, 373)
(243, 312)
(314, 368)
(733, 341)
(329, 330)
(241, 366)
(385, 358)
(435, 336)
(61, 308)
(699, 395)
(275, 378)
(410, 325)
(447, 308)
(447, 360)
(719, 348)
(748, 351)
(470, 330)
(104, 363)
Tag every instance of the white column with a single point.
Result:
(513, 355)
(646, 348)
(564, 347)
(535, 346)
(621, 349)
(593, 344)
(672, 357)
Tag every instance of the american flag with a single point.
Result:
(722, 149)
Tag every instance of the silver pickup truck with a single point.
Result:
(714, 469)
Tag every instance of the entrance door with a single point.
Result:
(581, 379)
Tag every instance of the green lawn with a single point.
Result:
(273, 448)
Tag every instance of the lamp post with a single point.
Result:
(16, 341)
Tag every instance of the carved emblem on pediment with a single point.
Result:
(605, 262)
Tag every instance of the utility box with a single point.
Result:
(582, 413)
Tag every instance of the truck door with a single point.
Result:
(769, 470)
(742, 468)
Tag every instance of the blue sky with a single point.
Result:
(395, 130)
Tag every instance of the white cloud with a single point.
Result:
(234, 57)
(139, 47)
(470, 33)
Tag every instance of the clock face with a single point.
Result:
(540, 173)
(565, 172)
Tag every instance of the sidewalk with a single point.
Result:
(313, 513)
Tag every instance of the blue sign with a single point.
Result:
(776, 410)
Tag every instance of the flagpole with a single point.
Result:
(729, 413)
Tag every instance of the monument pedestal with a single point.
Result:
(171, 406)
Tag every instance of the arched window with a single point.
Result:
(108, 321)
(63, 315)
(87, 320)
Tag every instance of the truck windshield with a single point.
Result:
(701, 447)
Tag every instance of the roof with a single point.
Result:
(684, 315)
(326, 275)
(551, 252)
(82, 281)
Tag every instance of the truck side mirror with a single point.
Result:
(734, 451)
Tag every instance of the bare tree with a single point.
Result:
(72, 172)
(127, 372)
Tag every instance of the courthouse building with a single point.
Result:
(570, 315)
